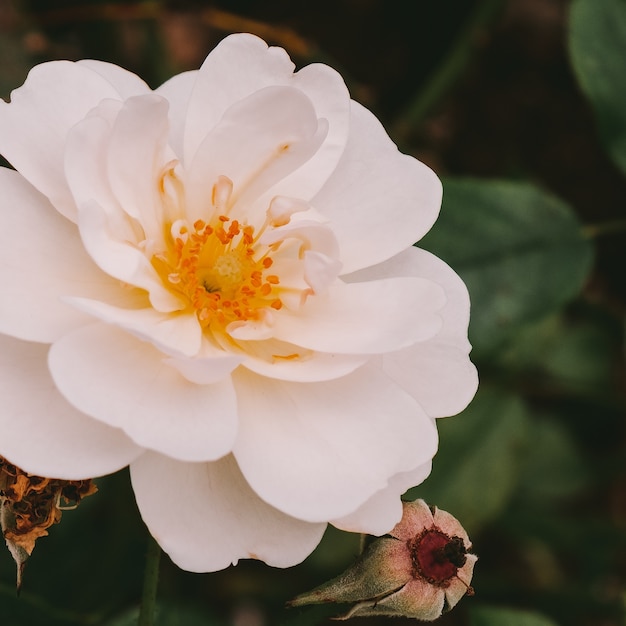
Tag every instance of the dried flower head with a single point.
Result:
(29, 505)
(420, 570)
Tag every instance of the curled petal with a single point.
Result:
(178, 335)
(280, 131)
(384, 509)
(42, 261)
(447, 379)
(342, 438)
(365, 318)
(122, 382)
(380, 201)
(33, 127)
(41, 432)
(206, 517)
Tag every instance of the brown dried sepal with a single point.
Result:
(30, 504)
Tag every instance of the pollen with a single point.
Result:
(218, 270)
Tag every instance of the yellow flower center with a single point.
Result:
(216, 268)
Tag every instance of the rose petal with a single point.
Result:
(365, 318)
(206, 517)
(176, 335)
(177, 91)
(137, 154)
(327, 447)
(41, 261)
(33, 127)
(243, 64)
(123, 382)
(259, 140)
(437, 372)
(210, 365)
(310, 366)
(126, 83)
(41, 432)
(379, 200)
(381, 513)
(120, 259)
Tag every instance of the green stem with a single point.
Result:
(444, 77)
(605, 228)
(147, 610)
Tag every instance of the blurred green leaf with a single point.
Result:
(574, 357)
(476, 469)
(519, 250)
(494, 616)
(555, 468)
(597, 44)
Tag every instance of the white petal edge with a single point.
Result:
(383, 510)
(437, 372)
(34, 126)
(176, 335)
(41, 432)
(123, 382)
(42, 260)
(379, 200)
(126, 83)
(259, 140)
(206, 517)
(365, 318)
(327, 446)
(177, 91)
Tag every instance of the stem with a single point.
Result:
(150, 582)
(448, 71)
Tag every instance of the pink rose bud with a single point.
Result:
(420, 570)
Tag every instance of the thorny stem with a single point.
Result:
(448, 71)
(147, 610)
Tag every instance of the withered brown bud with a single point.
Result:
(30, 504)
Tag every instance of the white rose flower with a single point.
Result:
(214, 283)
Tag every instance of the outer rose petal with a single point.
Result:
(383, 510)
(327, 447)
(41, 261)
(34, 125)
(177, 91)
(123, 382)
(126, 83)
(437, 372)
(205, 516)
(41, 432)
(379, 200)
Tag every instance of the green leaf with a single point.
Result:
(597, 43)
(519, 250)
(555, 469)
(556, 354)
(494, 616)
(476, 469)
